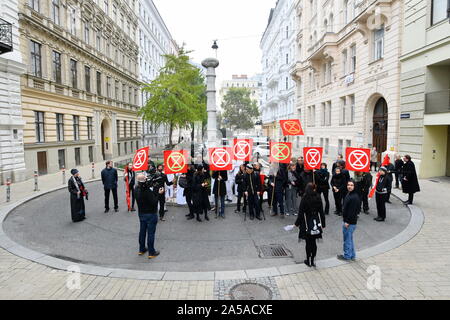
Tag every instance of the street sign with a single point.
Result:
(140, 160)
(175, 162)
(280, 152)
(221, 159)
(358, 159)
(243, 149)
(313, 158)
(291, 127)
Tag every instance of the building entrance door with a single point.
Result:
(42, 163)
(380, 127)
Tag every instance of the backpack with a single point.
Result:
(182, 182)
(313, 224)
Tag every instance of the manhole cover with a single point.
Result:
(274, 251)
(250, 291)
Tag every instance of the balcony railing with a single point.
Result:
(6, 44)
(437, 102)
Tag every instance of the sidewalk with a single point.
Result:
(419, 269)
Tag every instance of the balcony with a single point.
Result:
(437, 102)
(325, 47)
(6, 44)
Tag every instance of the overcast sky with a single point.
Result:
(237, 24)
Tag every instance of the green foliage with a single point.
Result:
(239, 110)
(177, 96)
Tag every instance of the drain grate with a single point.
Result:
(274, 251)
(250, 291)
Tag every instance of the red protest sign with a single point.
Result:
(175, 162)
(291, 127)
(313, 158)
(358, 159)
(280, 152)
(243, 149)
(140, 160)
(221, 159)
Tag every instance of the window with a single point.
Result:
(62, 159)
(327, 72)
(87, 78)
(123, 92)
(34, 4)
(98, 42)
(77, 156)
(342, 112)
(344, 62)
(287, 32)
(125, 129)
(353, 59)
(55, 11)
(440, 10)
(86, 32)
(39, 126)
(340, 146)
(108, 87)
(287, 58)
(99, 83)
(327, 146)
(73, 20)
(106, 6)
(287, 83)
(91, 154)
(324, 113)
(352, 109)
(118, 128)
(56, 61)
(328, 114)
(36, 58)
(90, 128)
(73, 73)
(129, 95)
(116, 90)
(137, 130)
(76, 128)
(131, 128)
(378, 43)
(60, 127)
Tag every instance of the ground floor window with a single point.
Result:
(77, 156)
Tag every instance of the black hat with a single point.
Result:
(249, 166)
(74, 171)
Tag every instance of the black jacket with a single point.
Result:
(366, 182)
(351, 208)
(223, 186)
(310, 208)
(398, 165)
(147, 200)
(411, 184)
(200, 194)
(109, 178)
(239, 180)
(339, 181)
(307, 177)
(252, 183)
(384, 184)
(323, 180)
(131, 178)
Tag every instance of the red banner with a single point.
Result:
(175, 162)
(291, 127)
(280, 152)
(358, 159)
(140, 160)
(313, 158)
(221, 159)
(243, 149)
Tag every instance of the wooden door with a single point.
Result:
(380, 127)
(42, 163)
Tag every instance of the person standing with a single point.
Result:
(109, 179)
(278, 183)
(300, 166)
(147, 201)
(338, 183)
(352, 205)
(292, 189)
(220, 191)
(200, 192)
(239, 180)
(339, 158)
(311, 222)
(162, 198)
(374, 158)
(185, 181)
(130, 181)
(410, 183)
(252, 185)
(398, 170)
(77, 194)
(390, 170)
(366, 185)
(323, 185)
(262, 178)
(382, 191)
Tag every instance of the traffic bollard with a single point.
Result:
(36, 186)
(8, 190)
(93, 170)
(63, 175)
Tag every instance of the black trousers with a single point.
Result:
(253, 205)
(132, 196)
(190, 203)
(338, 201)
(241, 196)
(365, 200)
(116, 201)
(162, 202)
(373, 164)
(311, 247)
(381, 204)
(411, 198)
(327, 201)
(397, 180)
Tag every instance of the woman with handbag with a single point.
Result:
(77, 192)
(311, 222)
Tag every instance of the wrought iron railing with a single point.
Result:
(6, 44)
(437, 102)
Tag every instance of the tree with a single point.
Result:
(239, 110)
(177, 95)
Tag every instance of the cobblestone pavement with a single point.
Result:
(419, 269)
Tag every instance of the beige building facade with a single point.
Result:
(348, 74)
(80, 94)
(425, 87)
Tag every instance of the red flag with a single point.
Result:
(243, 149)
(291, 127)
(358, 159)
(280, 152)
(386, 161)
(140, 160)
(175, 162)
(313, 158)
(221, 159)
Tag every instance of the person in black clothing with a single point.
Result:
(239, 180)
(311, 222)
(410, 183)
(398, 170)
(220, 191)
(109, 179)
(77, 194)
(162, 197)
(300, 166)
(307, 176)
(366, 184)
(147, 201)
(200, 192)
(338, 184)
(382, 192)
(252, 185)
(352, 205)
(390, 172)
(257, 169)
(323, 185)
(346, 173)
(130, 176)
(186, 182)
(278, 183)
(339, 159)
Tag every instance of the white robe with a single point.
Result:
(169, 189)
(181, 200)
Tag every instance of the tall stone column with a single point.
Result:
(211, 64)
